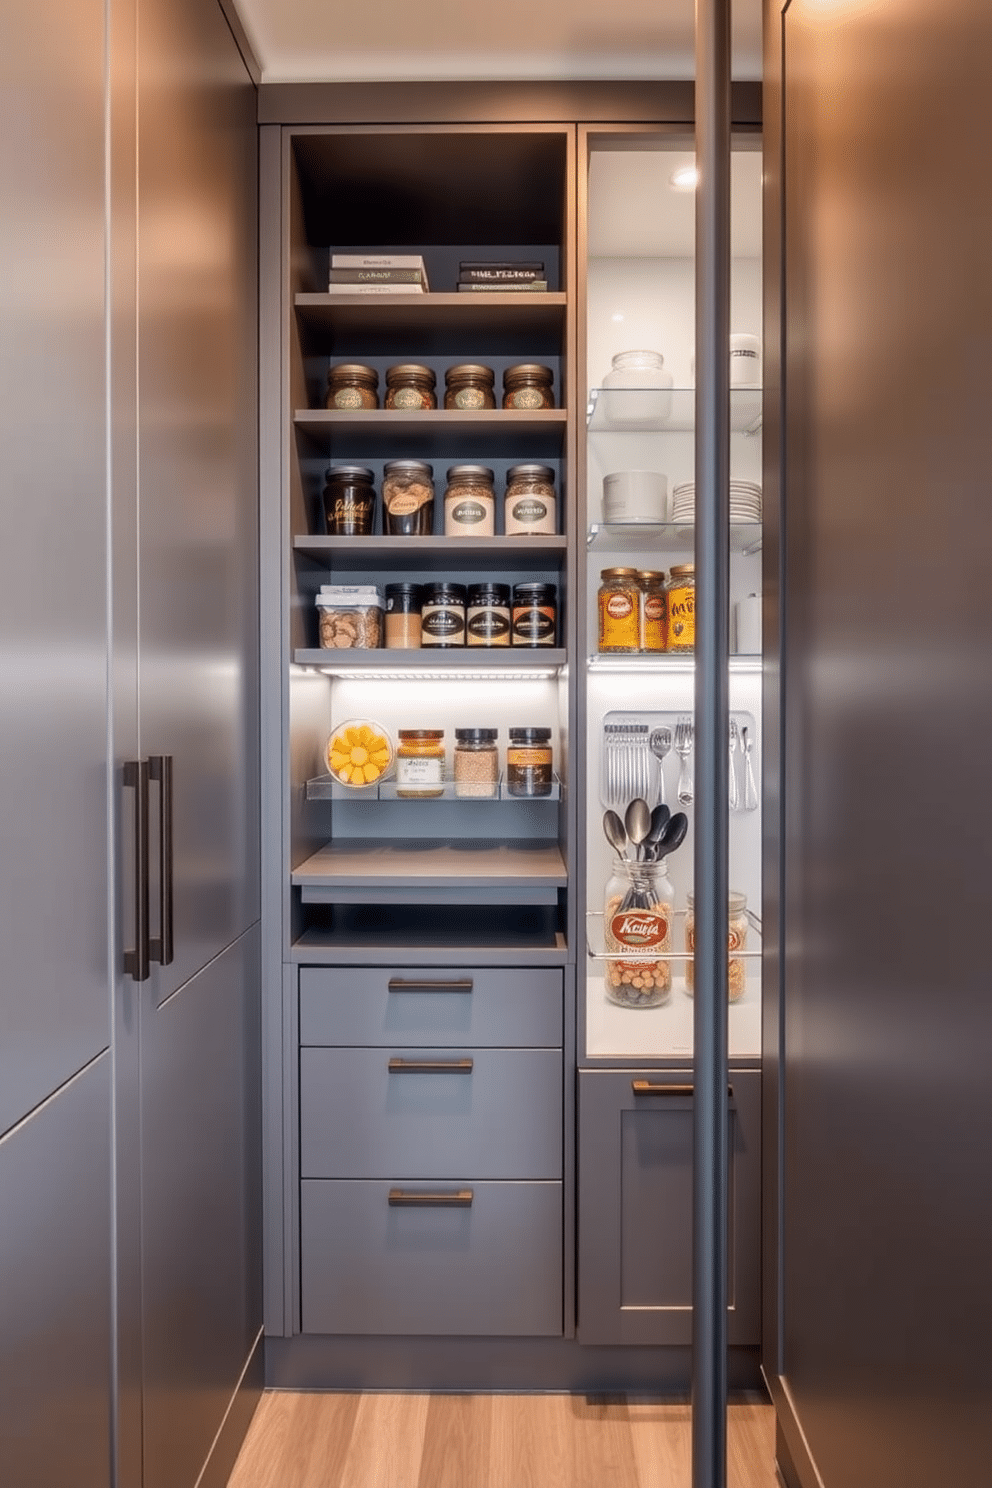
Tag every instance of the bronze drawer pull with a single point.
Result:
(456, 984)
(430, 1066)
(647, 1087)
(456, 1198)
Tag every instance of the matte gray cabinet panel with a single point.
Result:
(499, 1115)
(431, 1005)
(635, 1209)
(493, 1266)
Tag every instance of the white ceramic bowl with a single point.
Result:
(635, 496)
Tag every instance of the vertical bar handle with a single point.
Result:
(136, 779)
(160, 770)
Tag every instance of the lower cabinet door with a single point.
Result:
(431, 1258)
(635, 1207)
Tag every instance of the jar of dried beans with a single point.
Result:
(737, 923)
(638, 915)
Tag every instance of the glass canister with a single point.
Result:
(530, 504)
(654, 610)
(619, 611)
(407, 498)
(535, 614)
(411, 386)
(476, 762)
(442, 618)
(470, 502)
(681, 595)
(528, 386)
(737, 923)
(638, 914)
(403, 616)
(469, 385)
(487, 615)
(349, 501)
(420, 763)
(529, 762)
(352, 385)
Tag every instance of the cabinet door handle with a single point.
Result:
(430, 1066)
(456, 984)
(649, 1087)
(136, 778)
(160, 770)
(455, 1198)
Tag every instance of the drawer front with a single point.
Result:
(386, 1113)
(488, 1263)
(431, 1005)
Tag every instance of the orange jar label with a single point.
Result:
(655, 622)
(619, 622)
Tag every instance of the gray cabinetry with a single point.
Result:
(635, 1207)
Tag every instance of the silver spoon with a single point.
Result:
(659, 821)
(637, 823)
(616, 836)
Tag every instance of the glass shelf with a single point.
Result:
(623, 537)
(596, 952)
(666, 662)
(665, 410)
(327, 788)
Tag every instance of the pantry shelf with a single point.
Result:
(432, 871)
(327, 788)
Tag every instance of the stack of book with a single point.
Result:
(501, 276)
(377, 274)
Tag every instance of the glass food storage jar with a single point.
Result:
(619, 603)
(529, 762)
(403, 616)
(737, 923)
(469, 502)
(407, 498)
(528, 386)
(535, 614)
(681, 594)
(411, 386)
(352, 385)
(349, 501)
(654, 610)
(476, 762)
(442, 618)
(420, 763)
(530, 504)
(469, 386)
(638, 913)
(487, 615)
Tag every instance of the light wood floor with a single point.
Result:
(489, 1441)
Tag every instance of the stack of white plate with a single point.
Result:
(745, 501)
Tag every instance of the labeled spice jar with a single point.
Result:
(487, 615)
(442, 618)
(528, 762)
(350, 617)
(619, 611)
(476, 762)
(402, 619)
(528, 386)
(737, 923)
(535, 614)
(410, 386)
(654, 610)
(469, 386)
(420, 763)
(530, 504)
(351, 385)
(349, 501)
(407, 498)
(681, 595)
(469, 502)
(637, 925)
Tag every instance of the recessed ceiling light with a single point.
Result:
(685, 178)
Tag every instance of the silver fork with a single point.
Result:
(683, 748)
(750, 785)
(660, 744)
(733, 798)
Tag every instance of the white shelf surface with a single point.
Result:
(665, 411)
(626, 537)
(665, 1032)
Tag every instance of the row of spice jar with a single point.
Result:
(643, 611)
(408, 499)
(412, 386)
(439, 614)
(421, 763)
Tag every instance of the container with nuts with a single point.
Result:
(639, 910)
(350, 617)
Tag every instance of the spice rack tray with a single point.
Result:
(432, 870)
(430, 661)
(665, 411)
(327, 788)
(460, 433)
(625, 537)
(415, 554)
(451, 321)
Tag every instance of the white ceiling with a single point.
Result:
(395, 40)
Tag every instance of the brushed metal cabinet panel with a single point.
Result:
(201, 1303)
(502, 1008)
(493, 1268)
(501, 1120)
(197, 463)
(54, 1000)
(55, 1303)
(635, 1210)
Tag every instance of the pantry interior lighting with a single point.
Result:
(385, 674)
(686, 178)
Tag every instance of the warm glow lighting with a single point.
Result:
(686, 178)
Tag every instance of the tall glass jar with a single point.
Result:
(654, 610)
(530, 504)
(619, 611)
(349, 501)
(407, 498)
(737, 923)
(469, 502)
(638, 915)
(681, 594)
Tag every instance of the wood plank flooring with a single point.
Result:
(302, 1440)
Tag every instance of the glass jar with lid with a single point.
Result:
(487, 615)
(407, 498)
(442, 616)
(476, 762)
(737, 925)
(529, 762)
(469, 385)
(420, 763)
(528, 386)
(637, 925)
(410, 385)
(349, 501)
(530, 504)
(654, 610)
(470, 502)
(404, 603)
(535, 614)
(619, 603)
(352, 385)
(681, 595)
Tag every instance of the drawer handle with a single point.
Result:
(430, 1066)
(648, 1087)
(456, 984)
(455, 1198)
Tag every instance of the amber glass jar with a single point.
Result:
(420, 763)
(528, 386)
(407, 498)
(469, 386)
(654, 610)
(350, 385)
(529, 762)
(410, 386)
(349, 501)
(681, 594)
(619, 611)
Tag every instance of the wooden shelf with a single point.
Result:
(459, 433)
(414, 554)
(428, 870)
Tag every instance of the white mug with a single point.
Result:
(745, 360)
(635, 496)
(748, 614)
